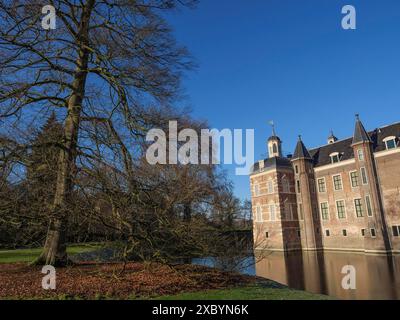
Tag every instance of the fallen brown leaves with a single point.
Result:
(113, 280)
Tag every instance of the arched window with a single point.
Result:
(274, 148)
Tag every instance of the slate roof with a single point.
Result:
(321, 155)
(360, 134)
(274, 162)
(301, 151)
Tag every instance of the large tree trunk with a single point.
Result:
(54, 251)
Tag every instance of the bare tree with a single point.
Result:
(105, 63)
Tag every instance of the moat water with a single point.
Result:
(376, 276)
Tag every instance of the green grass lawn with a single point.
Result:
(28, 255)
(257, 292)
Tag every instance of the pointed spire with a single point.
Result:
(301, 150)
(273, 136)
(360, 134)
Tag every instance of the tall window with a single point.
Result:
(321, 185)
(301, 216)
(354, 179)
(285, 185)
(270, 185)
(360, 153)
(396, 231)
(272, 215)
(341, 209)
(288, 211)
(364, 176)
(296, 169)
(359, 208)
(257, 190)
(324, 211)
(369, 207)
(258, 214)
(337, 182)
(298, 186)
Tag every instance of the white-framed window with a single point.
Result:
(358, 208)
(321, 185)
(335, 157)
(270, 186)
(344, 231)
(256, 190)
(285, 185)
(364, 177)
(396, 231)
(390, 142)
(354, 179)
(259, 217)
(337, 182)
(368, 205)
(363, 232)
(373, 233)
(288, 211)
(360, 154)
(272, 212)
(327, 233)
(341, 209)
(324, 206)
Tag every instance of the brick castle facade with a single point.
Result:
(344, 196)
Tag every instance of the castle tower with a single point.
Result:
(310, 224)
(274, 144)
(376, 237)
(332, 138)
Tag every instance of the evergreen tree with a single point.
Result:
(42, 166)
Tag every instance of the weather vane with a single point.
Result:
(272, 124)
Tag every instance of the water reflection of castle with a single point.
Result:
(377, 276)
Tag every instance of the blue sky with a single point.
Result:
(290, 61)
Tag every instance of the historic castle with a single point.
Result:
(343, 196)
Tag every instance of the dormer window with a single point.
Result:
(390, 142)
(335, 157)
